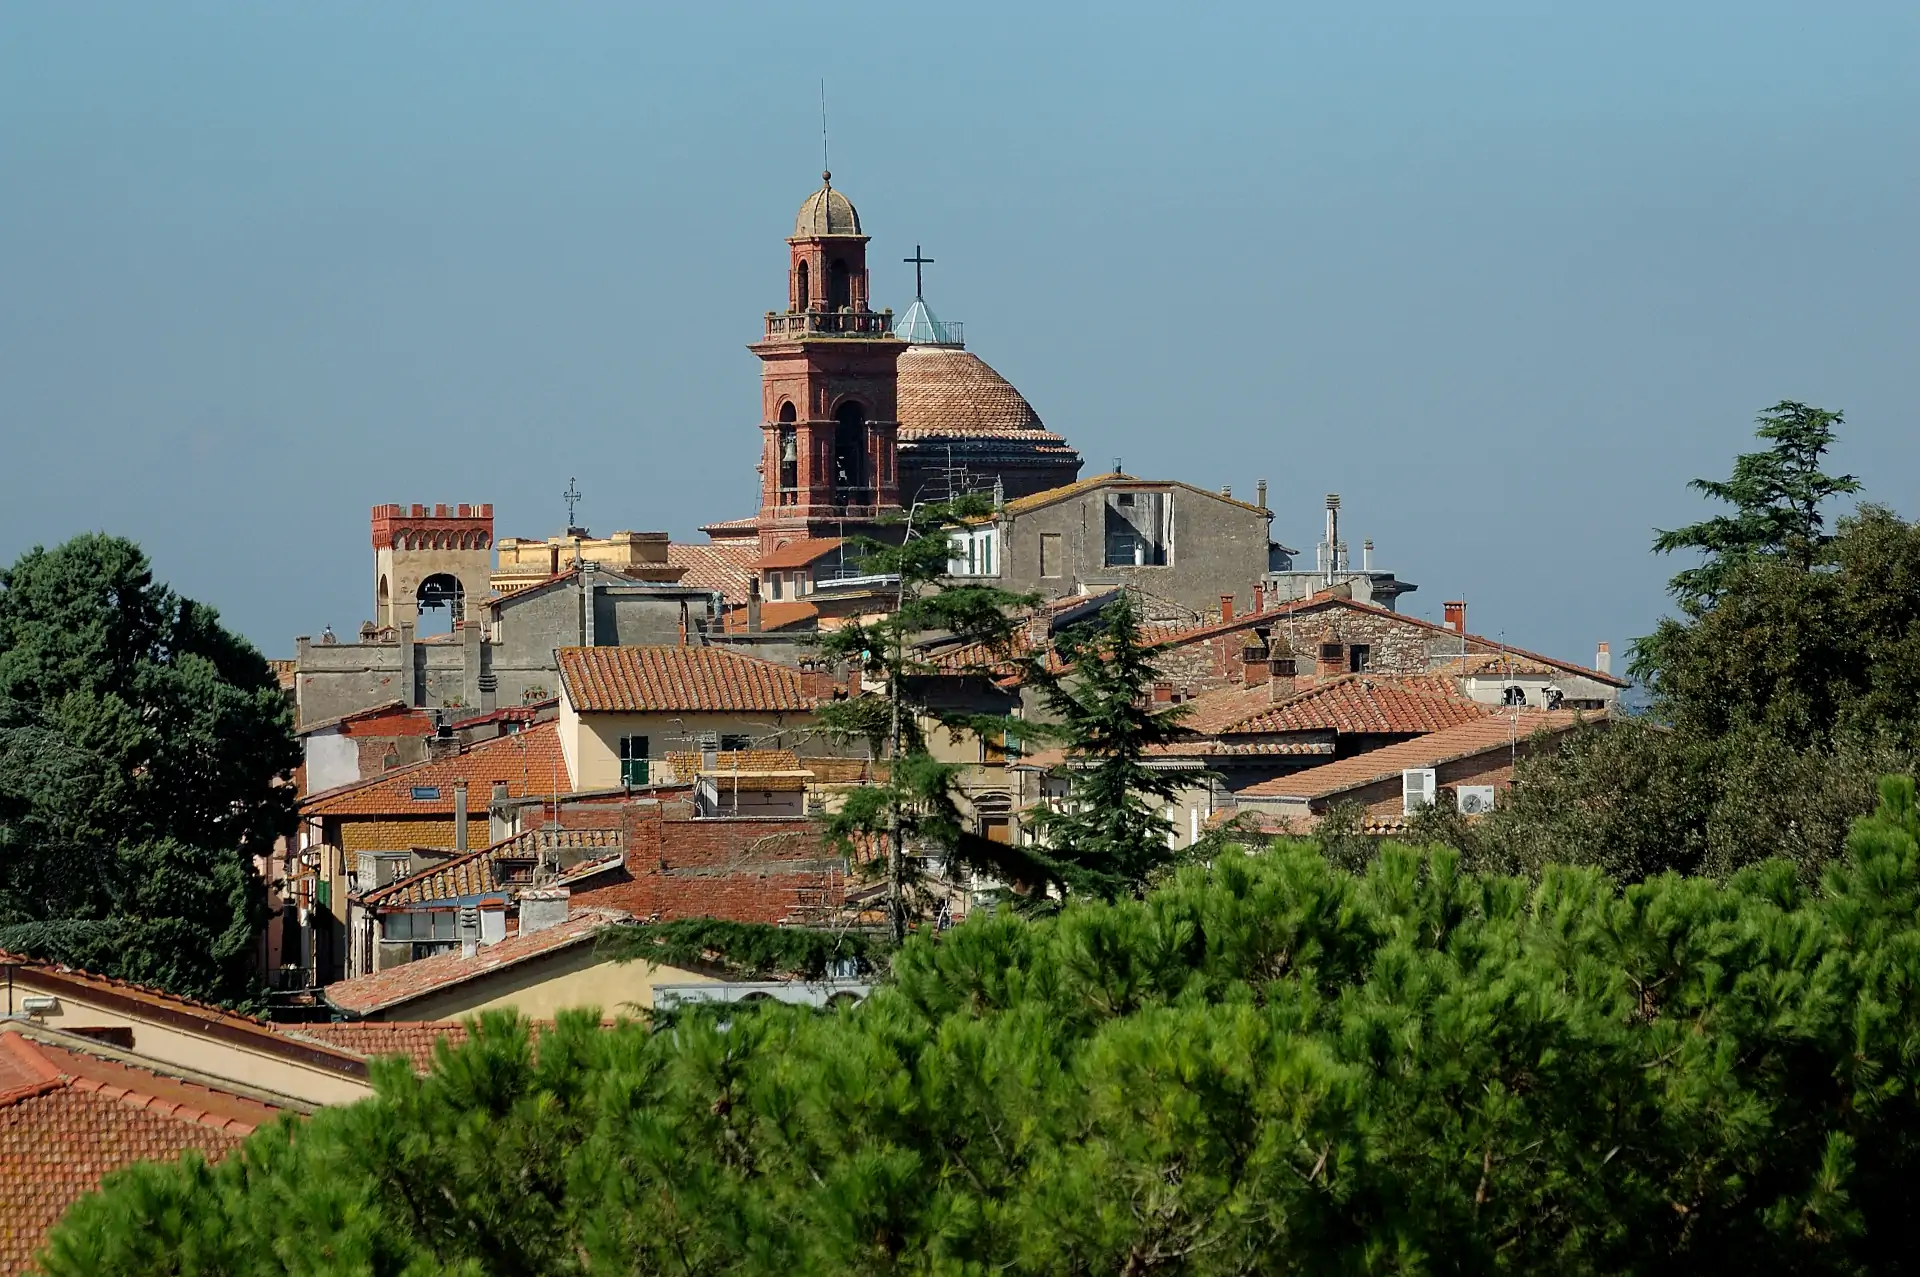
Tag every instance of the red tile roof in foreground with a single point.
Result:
(414, 1039)
(664, 679)
(200, 1018)
(1483, 735)
(528, 761)
(68, 1118)
(397, 986)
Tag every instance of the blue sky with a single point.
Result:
(1505, 277)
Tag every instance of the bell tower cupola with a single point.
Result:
(829, 416)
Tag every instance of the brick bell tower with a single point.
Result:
(828, 461)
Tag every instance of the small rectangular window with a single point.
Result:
(732, 742)
(397, 926)
(1051, 563)
(426, 793)
(1357, 658)
(633, 760)
(773, 587)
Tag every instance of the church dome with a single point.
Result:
(947, 390)
(826, 212)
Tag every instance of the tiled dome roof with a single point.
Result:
(826, 212)
(944, 390)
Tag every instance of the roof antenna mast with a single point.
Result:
(826, 169)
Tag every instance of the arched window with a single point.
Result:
(787, 414)
(850, 450)
(839, 285)
(380, 601)
(441, 590)
(801, 292)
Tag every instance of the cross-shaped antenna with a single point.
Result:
(572, 497)
(918, 260)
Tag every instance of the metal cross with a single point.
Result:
(918, 259)
(572, 497)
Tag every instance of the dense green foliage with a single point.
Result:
(916, 804)
(141, 750)
(1786, 685)
(1272, 1066)
(1110, 838)
(1776, 495)
(747, 949)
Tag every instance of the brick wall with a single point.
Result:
(743, 869)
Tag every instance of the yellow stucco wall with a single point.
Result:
(182, 1046)
(542, 988)
(591, 742)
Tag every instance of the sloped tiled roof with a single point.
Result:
(414, 1039)
(774, 617)
(1480, 736)
(1365, 704)
(478, 873)
(949, 391)
(800, 552)
(725, 566)
(528, 761)
(1324, 601)
(1038, 500)
(396, 986)
(69, 1118)
(668, 679)
(200, 1018)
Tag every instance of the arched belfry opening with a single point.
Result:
(839, 285)
(851, 480)
(802, 290)
(787, 448)
(442, 603)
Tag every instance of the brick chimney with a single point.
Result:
(1163, 693)
(1280, 677)
(1330, 656)
(1456, 613)
(1253, 666)
(1226, 607)
(1259, 597)
(1603, 659)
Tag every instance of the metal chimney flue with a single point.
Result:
(1333, 535)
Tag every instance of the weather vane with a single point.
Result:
(572, 497)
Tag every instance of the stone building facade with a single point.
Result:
(1179, 546)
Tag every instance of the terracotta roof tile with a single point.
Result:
(526, 760)
(945, 390)
(396, 986)
(91, 1116)
(201, 1016)
(414, 1039)
(679, 679)
(1365, 704)
(774, 617)
(1480, 736)
(798, 553)
(725, 566)
(480, 873)
(742, 761)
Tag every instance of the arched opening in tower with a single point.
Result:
(787, 443)
(442, 603)
(850, 478)
(839, 285)
(802, 292)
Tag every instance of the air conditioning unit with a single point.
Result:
(1417, 788)
(1474, 800)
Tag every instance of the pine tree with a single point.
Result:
(1108, 838)
(1777, 498)
(915, 804)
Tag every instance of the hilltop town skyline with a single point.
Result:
(1504, 305)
